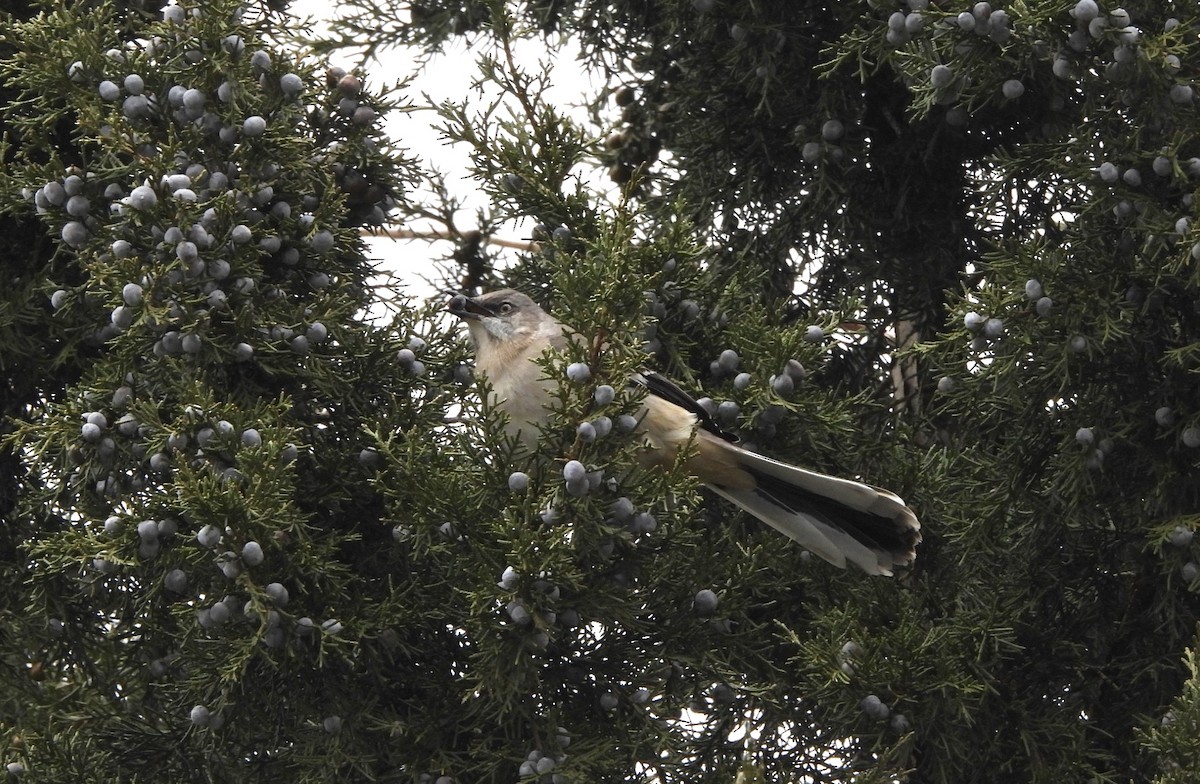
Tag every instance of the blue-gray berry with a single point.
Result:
(143, 198)
(176, 580)
(518, 481)
(643, 523)
(79, 206)
(602, 425)
(200, 716)
(291, 84)
(579, 372)
(509, 578)
(148, 531)
(322, 241)
(252, 554)
(874, 707)
(131, 293)
(254, 126)
(75, 234)
(621, 509)
(518, 612)
(832, 130)
(705, 601)
(574, 471)
(209, 536)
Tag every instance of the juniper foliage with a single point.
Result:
(252, 534)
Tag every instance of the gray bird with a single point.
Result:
(838, 519)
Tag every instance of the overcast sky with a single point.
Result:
(448, 77)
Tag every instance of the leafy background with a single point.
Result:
(251, 533)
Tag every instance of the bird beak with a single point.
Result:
(466, 308)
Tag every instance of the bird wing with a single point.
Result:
(660, 386)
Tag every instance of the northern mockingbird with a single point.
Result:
(838, 519)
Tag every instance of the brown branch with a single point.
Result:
(438, 234)
(906, 383)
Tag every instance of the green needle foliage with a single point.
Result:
(252, 533)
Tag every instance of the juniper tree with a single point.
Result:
(945, 249)
(184, 335)
(1005, 191)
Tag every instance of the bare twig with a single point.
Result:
(443, 235)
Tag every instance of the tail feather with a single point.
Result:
(814, 534)
(838, 519)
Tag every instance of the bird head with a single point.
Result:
(505, 316)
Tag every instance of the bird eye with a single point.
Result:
(505, 308)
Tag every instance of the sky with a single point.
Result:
(447, 77)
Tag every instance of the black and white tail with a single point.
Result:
(838, 519)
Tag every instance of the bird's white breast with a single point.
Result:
(522, 395)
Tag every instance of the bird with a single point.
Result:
(840, 520)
